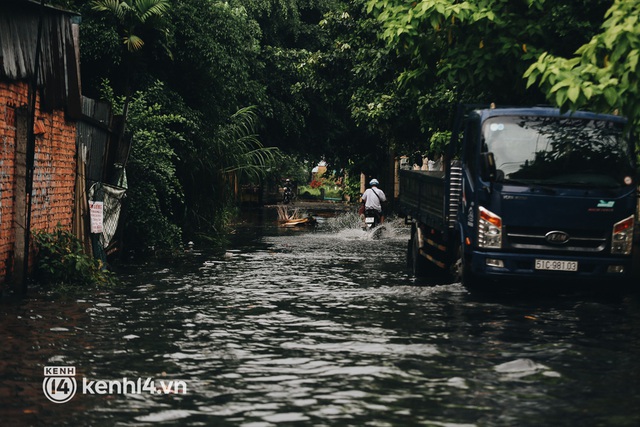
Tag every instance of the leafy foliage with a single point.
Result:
(215, 65)
(120, 41)
(347, 81)
(474, 51)
(133, 14)
(437, 143)
(158, 123)
(61, 261)
(604, 73)
(350, 84)
(239, 148)
(230, 156)
(477, 42)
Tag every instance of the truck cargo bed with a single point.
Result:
(422, 196)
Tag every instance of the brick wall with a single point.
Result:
(54, 170)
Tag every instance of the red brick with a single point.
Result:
(54, 174)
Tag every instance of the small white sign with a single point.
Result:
(96, 215)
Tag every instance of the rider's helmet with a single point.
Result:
(374, 182)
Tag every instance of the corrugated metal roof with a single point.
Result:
(58, 75)
(94, 134)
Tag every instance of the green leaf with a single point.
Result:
(561, 97)
(632, 60)
(573, 93)
(611, 95)
(560, 85)
(587, 90)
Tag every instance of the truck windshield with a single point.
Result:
(559, 151)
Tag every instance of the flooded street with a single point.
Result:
(321, 327)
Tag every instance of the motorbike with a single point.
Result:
(371, 219)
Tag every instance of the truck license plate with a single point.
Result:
(556, 265)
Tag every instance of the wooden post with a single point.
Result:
(20, 207)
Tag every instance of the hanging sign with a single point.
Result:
(96, 216)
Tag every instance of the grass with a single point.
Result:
(306, 192)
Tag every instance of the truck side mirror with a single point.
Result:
(487, 167)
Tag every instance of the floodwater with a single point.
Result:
(318, 327)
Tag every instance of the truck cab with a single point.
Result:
(544, 194)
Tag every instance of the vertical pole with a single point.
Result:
(20, 204)
(31, 148)
(391, 178)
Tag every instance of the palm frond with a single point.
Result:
(239, 148)
(133, 43)
(117, 7)
(151, 8)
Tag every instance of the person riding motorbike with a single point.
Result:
(287, 195)
(373, 198)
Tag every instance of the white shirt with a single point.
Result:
(373, 202)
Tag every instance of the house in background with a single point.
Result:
(318, 170)
(40, 104)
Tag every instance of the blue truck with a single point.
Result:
(527, 193)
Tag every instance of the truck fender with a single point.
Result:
(459, 238)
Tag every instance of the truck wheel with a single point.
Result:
(461, 271)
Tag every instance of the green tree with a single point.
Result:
(294, 118)
(604, 74)
(216, 58)
(234, 155)
(135, 21)
(132, 15)
(188, 143)
(159, 123)
(474, 51)
(355, 78)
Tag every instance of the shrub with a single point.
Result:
(60, 261)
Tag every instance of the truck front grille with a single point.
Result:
(535, 239)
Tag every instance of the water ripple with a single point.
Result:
(323, 327)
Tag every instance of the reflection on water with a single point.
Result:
(323, 327)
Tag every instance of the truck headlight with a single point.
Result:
(622, 237)
(489, 229)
